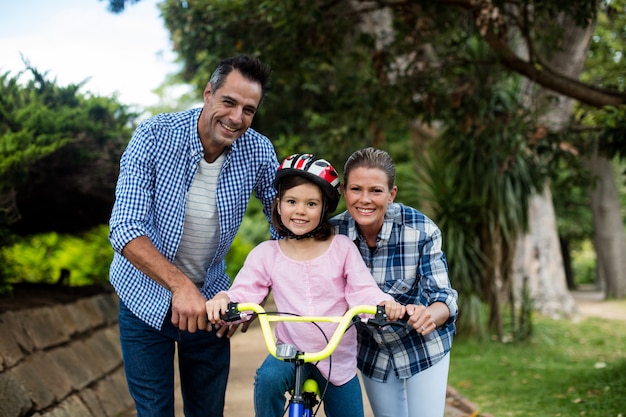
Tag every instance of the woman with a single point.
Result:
(404, 372)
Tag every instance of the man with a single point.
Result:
(183, 188)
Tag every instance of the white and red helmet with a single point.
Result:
(320, 171)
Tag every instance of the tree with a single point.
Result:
(605, 66)
(59, 155)
(321, 50)
(355, 73)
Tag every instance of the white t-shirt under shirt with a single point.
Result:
(201, 231)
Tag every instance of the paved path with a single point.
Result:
(591, 304)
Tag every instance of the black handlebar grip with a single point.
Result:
(232, 314)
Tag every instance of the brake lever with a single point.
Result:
(232, 314)
(380, 319)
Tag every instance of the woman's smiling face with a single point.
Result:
(367, 195)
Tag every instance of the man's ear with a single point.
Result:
(207, 91)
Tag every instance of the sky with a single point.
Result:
(127, 54)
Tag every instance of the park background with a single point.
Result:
(506, 122)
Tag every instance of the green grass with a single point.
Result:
(566, 369)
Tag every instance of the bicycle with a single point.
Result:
(305, 395)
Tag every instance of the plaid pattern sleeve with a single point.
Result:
(409, 264)
(156, 171)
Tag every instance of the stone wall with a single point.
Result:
(63, 360)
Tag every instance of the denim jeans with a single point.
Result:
(148, 353)
(423, 394)
(275, 377)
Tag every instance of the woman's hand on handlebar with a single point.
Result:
(393, 309)
(426, 319)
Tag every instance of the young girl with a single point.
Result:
(311, 272)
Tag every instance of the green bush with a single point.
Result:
(584, 263)
(254, 230)
(46, 258)
(237, 255)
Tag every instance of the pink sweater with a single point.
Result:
(325, 286)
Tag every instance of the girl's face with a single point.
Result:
(300, 208)
(367, 195)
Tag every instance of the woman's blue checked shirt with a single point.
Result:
(156, 171)
(408, 264)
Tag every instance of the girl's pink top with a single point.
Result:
(325, 286)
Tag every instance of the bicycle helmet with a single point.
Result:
(317, 170)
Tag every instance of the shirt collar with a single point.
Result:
(195, 142)
(393, 214)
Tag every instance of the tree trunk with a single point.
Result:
(608, 226)
(538, 257)
(493, 281)
(567, 263)
(538, 260)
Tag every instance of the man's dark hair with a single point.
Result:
(249, 66)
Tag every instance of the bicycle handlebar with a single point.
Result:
(237, 311)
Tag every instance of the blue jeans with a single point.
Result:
(275, 377)
(423, 394)
(203, 361)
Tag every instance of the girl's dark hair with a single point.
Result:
(325, 230)
(250, 67)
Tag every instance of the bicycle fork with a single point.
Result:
(303, 398)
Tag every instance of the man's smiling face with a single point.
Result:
(227, 113)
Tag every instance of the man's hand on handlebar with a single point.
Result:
(230, 329)
(187, 311)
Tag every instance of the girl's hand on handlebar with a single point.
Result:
(393, 309)
(215, 307)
